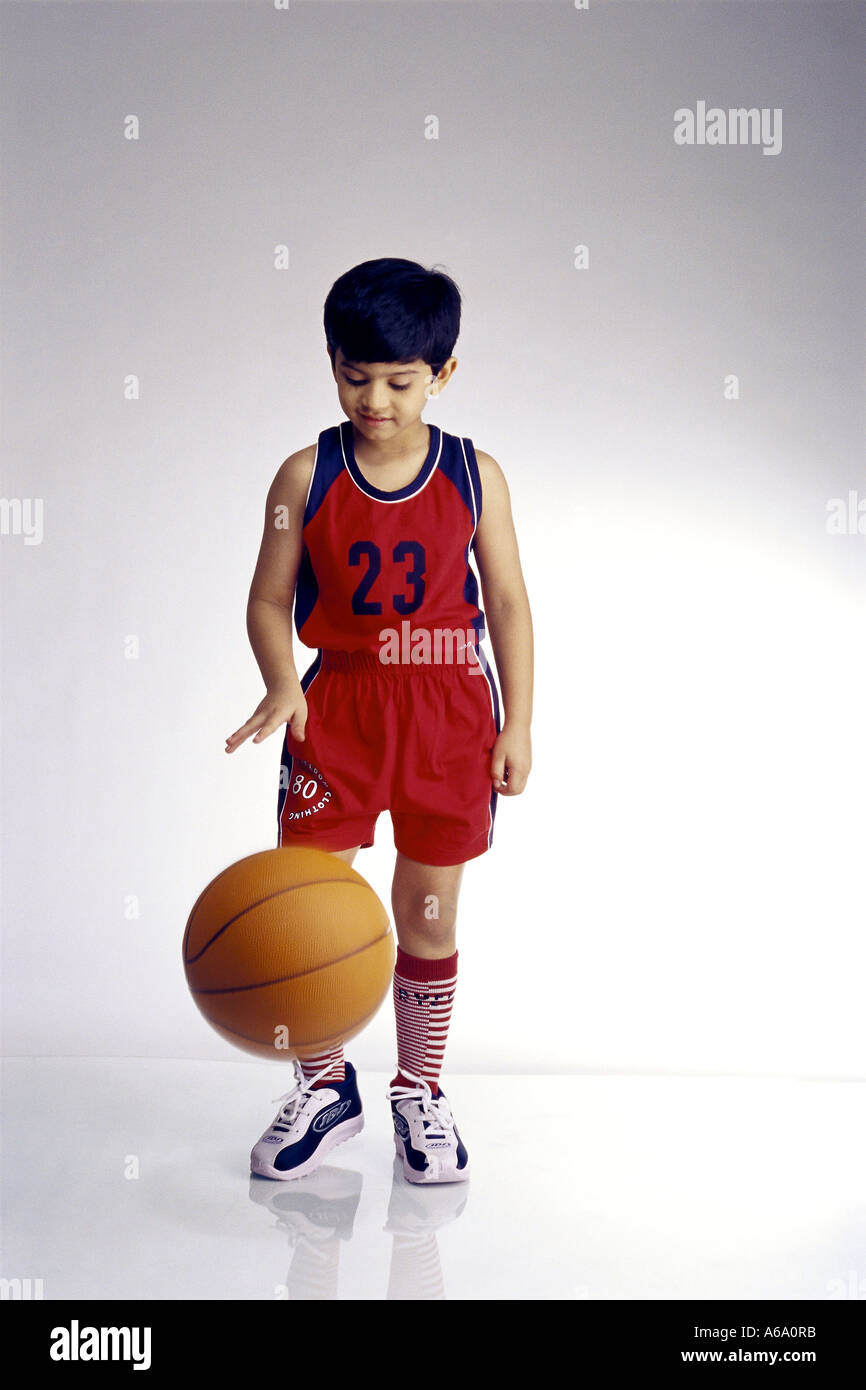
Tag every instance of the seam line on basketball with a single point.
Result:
(313, 883)
(281, 979)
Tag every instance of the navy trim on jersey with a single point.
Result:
(326, 469)
(347, 444)
(306, 591)
(468, 483)
(470, 594)
(470, 461)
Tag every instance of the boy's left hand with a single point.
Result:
(511, 759)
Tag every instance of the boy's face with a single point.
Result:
(394, 393)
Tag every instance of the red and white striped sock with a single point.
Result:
(314, 1061)
(423, 993)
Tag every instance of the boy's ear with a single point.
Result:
(436, 383)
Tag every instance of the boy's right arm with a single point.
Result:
(271, 598)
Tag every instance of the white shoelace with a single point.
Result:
(296, 1098)
(439, 1122)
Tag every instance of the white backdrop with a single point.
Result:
(680, 888)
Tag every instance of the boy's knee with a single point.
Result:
(421, 931)
(426, 943)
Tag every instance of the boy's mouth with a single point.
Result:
(375, 419)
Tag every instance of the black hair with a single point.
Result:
(392, 310)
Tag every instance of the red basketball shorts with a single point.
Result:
(414, 740)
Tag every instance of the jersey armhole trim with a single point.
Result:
(312, 477)
(470, 463)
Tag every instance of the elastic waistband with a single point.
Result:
(373, 661)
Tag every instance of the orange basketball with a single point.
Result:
(288, 951)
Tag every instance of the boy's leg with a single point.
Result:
(424, 901)
(332, 1058)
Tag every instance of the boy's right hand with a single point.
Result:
(283, 704)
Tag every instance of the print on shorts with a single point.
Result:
(304, 792)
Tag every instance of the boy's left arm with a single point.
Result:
(509, 623)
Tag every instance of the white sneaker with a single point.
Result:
(308, 1125)
(425, 1134)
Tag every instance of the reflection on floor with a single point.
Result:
(318, 1212)
(130, 1179)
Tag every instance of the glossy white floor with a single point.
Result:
(129, 1179)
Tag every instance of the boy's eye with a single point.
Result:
(352, 382)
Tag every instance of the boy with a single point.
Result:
(368, 534)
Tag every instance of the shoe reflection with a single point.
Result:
(316, 1212)
(415, 1214)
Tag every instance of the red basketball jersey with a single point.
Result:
(379, 562)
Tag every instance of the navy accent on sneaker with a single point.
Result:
(347, 1107)
(414, 1157)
